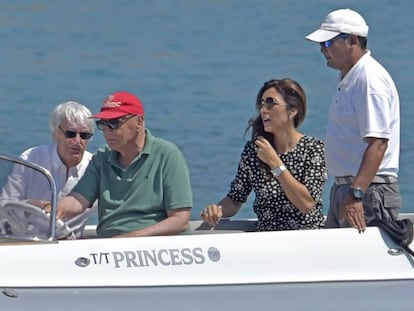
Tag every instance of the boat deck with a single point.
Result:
(226, 225)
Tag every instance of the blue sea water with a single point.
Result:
(195, 64)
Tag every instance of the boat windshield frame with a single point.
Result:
(52, 236)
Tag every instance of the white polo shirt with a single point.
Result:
(365, 104)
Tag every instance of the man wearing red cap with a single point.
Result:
(141, 182)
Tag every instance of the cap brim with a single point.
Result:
(322, 35)
(108, 115)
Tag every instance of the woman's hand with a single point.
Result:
(212, 214)
(267, 153)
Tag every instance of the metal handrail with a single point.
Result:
(49, 177)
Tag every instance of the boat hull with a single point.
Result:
(213, 268)
(350, 295)
(287, 270)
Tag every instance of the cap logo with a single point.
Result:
(119, 104)
(109, 103)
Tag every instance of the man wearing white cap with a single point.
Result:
(363, 132)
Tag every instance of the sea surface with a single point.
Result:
(196, 65)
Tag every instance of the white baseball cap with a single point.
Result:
(340, 21)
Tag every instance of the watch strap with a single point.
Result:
(357, 193)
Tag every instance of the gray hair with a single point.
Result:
(74, 113)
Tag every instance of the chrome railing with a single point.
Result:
(52, 229)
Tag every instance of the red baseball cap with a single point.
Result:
(119, 104)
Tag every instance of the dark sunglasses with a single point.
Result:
(113, 124)
(72, 134)
(269, 102)
(329, 43)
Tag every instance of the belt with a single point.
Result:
(378, 179)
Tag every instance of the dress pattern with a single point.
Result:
(306, 162)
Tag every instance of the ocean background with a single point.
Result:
(195, 64)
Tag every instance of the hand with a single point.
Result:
(43, 204)
(47, 207)
(353, 213)
(267, 153)
(212, 214)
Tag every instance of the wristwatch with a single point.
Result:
(356, 193)
(278, 170)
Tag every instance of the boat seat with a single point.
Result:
(225, 225)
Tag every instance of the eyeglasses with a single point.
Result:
(72, 134)
(113, 124)
(329, 43)
(269, 102)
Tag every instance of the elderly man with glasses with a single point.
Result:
(66, 158)
(141, 182)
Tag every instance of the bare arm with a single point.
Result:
(370, 162)
(72, 205)
(296, 192)
(69, 206)
(353, 211)
(176, 222)
(225, 208)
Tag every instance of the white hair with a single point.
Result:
(72, 112)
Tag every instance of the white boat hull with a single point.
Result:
(221, 269)
(290, 270)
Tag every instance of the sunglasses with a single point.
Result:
(269, 102)
(113, 124)
(72, 134)
(329, 43)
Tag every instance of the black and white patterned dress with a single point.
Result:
(306, 162)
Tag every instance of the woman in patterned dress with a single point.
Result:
(285, 168)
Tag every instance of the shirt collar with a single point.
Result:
(58, 164)
(149, 138)
(350, 76)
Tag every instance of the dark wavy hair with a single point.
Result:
(294, 96)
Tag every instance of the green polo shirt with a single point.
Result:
(129, 199)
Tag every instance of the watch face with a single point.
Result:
(278, 170)
(357, 193)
